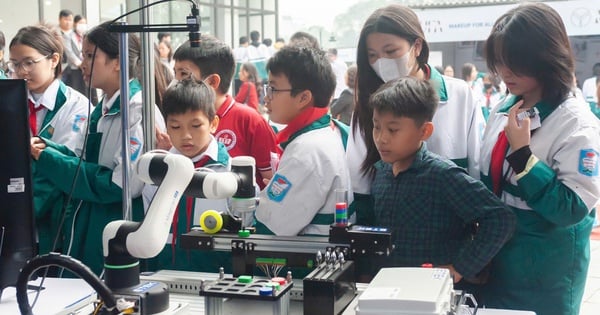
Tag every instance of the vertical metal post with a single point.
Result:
(213, 305)
(148, 99)
(125, 154)
(41, 10)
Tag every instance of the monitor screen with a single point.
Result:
(17, 229)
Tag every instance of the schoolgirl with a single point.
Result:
(56, 112)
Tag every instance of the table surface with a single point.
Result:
(59, 296)
(63, 296)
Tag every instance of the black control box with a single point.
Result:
(329, 288)
(363, 240)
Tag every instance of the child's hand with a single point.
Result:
(266, 181)
(456, 277)
(163, 142)
(517, 130)
(37, 146)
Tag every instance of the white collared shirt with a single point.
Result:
(47, 100)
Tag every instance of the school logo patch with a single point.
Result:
(588, 162)
(77, 122)
(278, 188)
(227, 138)
(135, 146)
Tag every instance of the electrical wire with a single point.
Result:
(69, 263)
(2, 239)
(98, 307)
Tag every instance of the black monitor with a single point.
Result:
(17, 228)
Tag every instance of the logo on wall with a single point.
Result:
(581, 17)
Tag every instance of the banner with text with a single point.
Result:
(581, 17)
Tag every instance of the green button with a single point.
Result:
(244, 233)
(245, 279)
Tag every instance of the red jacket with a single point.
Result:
(247, 95)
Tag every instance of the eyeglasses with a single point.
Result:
(27, 65)
(269, 90)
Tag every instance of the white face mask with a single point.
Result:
(81, 28)
(390, 69)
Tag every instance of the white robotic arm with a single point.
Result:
(125, 241)
(149, 238)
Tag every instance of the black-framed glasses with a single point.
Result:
(27, 65)
(269, 90)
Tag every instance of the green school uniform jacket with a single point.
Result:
(63, 124)
(543, 267)
(97, 193)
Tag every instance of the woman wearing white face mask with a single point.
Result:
(392, 45)
(72, 75)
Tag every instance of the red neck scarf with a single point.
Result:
(189, 210)
(497, 162)
(306, 117)
(33, 117)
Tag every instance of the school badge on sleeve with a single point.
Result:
(588, 162)
(135, 146)
(78, 122)
(278, 188)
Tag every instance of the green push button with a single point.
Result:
(245, 279)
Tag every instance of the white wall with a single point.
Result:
(12, 18)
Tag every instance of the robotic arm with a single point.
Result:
(124, 242)
(175, 176)
(148, 239)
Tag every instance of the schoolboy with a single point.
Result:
(191, 118)
(428, 202)
(241, 129)
(310, 161)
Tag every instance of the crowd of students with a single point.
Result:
(507, 206)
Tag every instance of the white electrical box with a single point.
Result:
(407, 291)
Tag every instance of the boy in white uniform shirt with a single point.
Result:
(310, 163)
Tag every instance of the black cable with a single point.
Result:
(70, 195)
(69, 263)
(84, 145)
(77, 171)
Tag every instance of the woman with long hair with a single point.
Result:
(540, 155)
(57, 113)
(249, 92)
(97, 189)
(392, 45)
